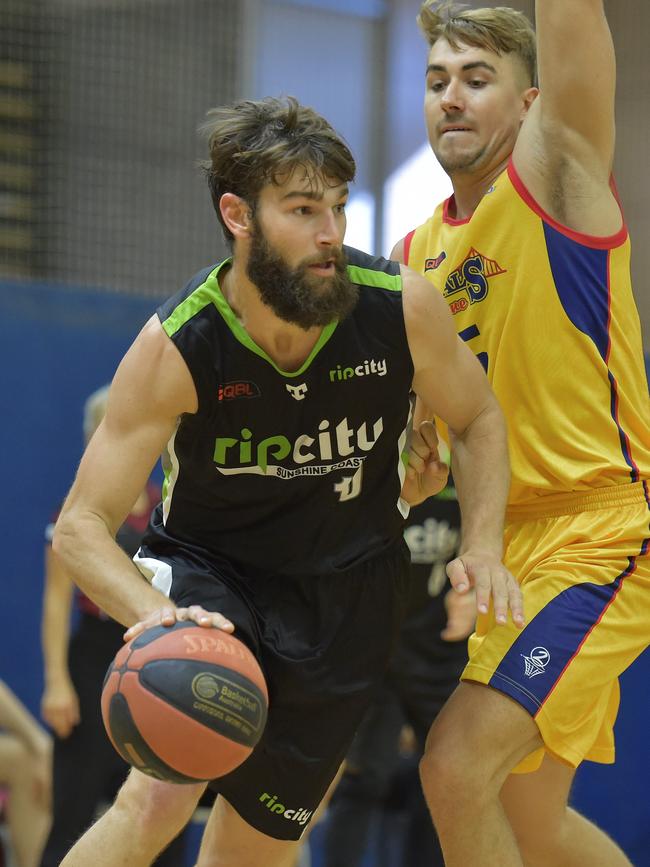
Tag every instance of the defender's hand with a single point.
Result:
(490, 578)
(169, 615)
(426, 474)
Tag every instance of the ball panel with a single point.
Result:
(189, 641)
(122, 655)
(130, 744)
(153, 633)
(211, 695)
(185, 703)
(198, 752)
(111, 681)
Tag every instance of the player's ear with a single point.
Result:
(528, 98)
(236, 215)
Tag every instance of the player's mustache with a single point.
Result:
(335, 256)
(452, 120)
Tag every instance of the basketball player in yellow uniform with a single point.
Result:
(532, 254)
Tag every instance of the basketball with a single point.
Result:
(184, 703)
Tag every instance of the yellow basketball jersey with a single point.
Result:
(551, 316)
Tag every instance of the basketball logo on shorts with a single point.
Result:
(537, 661)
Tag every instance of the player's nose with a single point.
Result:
(330, 231)
(452, 98)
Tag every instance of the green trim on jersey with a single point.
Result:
(246, 340)
(200, 298)
(209, 292)
(379, 279)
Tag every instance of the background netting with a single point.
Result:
(99, 105)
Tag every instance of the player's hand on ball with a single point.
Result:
(168, 615)
(426, 474)
(485, 572)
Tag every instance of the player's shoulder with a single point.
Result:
(424, 306)
(402, 249)
(367, 270)
(195, 295)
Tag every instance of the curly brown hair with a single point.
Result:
(256, 142)
(501, 29)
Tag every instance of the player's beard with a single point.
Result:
(296, 295)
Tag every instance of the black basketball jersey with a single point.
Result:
(292, 473)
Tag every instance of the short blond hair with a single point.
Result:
(501, 30)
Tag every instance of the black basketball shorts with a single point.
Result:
(323, 643)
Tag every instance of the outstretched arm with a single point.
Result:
(565, 149)
(577, 73)
(450, 381)
(151, 390)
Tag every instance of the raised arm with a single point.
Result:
(450, 381)
(577, 72)
(151, 390)
(565, 150)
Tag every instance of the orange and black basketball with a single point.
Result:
(184, 703)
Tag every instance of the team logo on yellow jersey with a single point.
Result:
(471, 278)
(432, 264)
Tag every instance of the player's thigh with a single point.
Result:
(536, 803)
(480, 734)
(585, 580)
(541, 796)
(229, 841)
(374, 753)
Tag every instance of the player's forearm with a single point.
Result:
(481, 471)
(102, 570)
(576, 93)
(554, 26)
(55, 628)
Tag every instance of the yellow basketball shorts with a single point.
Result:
(584, 570)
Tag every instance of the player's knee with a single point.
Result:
(157, 808)
(456, 769)
(444, 769)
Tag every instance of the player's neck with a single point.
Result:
(469, 189)
(288, 345)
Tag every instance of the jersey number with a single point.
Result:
(350, 486)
